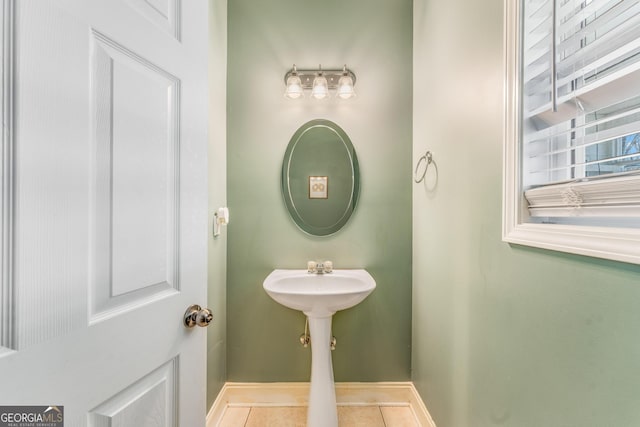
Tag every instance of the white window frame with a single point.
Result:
(619, 244)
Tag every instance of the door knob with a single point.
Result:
(196, 315)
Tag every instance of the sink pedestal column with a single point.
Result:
(323, 411)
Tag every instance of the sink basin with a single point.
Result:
(319, 295)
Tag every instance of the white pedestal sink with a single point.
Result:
(319, 296)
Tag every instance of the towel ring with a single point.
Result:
(427, 159)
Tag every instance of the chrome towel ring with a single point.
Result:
(427, 158)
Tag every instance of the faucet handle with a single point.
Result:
(311, 266)
(328, 266)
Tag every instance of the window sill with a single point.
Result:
(617, 244)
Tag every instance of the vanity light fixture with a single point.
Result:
(320, 82)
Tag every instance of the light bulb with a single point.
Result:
(345, 87)
(294, 87)
(320, 87)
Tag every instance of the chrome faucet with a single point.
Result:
(319, 267)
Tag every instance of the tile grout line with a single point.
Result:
(246, 421)
(382, 416)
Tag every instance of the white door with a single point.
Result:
(104, 201)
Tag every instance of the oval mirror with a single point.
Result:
(320, 178)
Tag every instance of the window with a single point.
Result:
(572, 126)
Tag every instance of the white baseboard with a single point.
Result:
(297, 394)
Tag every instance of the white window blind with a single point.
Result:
(580, 109)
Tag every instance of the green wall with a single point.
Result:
(502, 335)
(217, 280)
(265, 38)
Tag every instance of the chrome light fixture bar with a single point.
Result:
(320, 82)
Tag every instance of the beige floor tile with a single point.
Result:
(360, 416)
(277, 417)
(398, 416)
(234, 417)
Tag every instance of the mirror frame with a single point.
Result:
(349, 207)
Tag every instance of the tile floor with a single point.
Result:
(295, 416)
